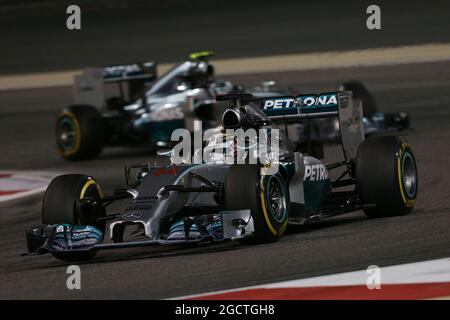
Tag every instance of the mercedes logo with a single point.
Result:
(132, 215)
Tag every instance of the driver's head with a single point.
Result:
(202, 73)
(210, 73)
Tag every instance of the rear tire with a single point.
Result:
(245, 188)
(361, 92)
(80, 133)
(61, 205)
(386, 175)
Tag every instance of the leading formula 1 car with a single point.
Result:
(192, 204)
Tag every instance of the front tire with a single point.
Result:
(265, 196)
(386, 176)
(79, 133)
(62, 205)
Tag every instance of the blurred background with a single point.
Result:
(34, 36)
(35, 46)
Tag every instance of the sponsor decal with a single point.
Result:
(166, 115)
(315, 172)
(302, 103)
(85, 229)
(121, 70)
(322, 100)
(77, 234)
(285, 103)
(81, 232)
(161, 171)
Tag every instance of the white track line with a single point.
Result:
(23, 194)
(33, 182)
(288, 62)
(432, 271)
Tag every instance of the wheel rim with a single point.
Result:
(409, 175)
(66, 134)
(276, 199)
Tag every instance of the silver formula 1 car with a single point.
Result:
(127, 105)
(207, 203)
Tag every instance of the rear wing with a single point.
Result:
(341, 105)
(127, 72)
(89, 86)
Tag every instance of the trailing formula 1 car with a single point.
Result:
(375, 122)
(206, 203)
(143, 110)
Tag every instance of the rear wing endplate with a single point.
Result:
(325, 105)
(132, 71)
(89, 85)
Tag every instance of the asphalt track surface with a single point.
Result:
(35, 38)
(344, 243)
(34, 42)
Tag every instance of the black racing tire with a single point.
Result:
(361, 92)
(386, 176)
(61, 205)
(80, 132)
(246, 188)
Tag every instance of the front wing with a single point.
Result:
(65, 238)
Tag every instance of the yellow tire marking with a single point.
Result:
(283, 228)
(85, 187)
(83, 192)
(78, 134)
(407, 202)
(100, 191)
(263, 205)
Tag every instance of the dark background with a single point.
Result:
(34, 36)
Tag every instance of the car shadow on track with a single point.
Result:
(119, 255)
(326, 223)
